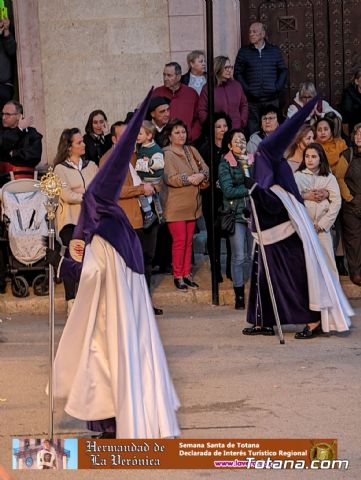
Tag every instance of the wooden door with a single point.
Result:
(320, 40)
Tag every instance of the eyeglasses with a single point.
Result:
(228, 67)
(269, 119)
(6, 114)
(307, 97)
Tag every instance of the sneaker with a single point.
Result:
(179, 283)
(149, 220)
(189, 282)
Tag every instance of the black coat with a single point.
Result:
(350, 107)
(95, 147)
(262, 77)
(22, 148)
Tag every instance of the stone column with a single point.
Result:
(187, 28)
(31, 91)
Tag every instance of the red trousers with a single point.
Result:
(182, 236)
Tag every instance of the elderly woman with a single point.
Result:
(228, 95)
(184, 173)
(76, 173)
(351, 207)
(307, 92)
(97, 140)
(196, 76)
(235, 193)
(269, 123)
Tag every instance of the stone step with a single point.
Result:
(164, 293)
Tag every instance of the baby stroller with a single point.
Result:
(23, 214)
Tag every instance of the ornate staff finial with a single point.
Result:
(50, 185)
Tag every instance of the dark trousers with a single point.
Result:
(70, 287)
(148, 240)
(163, 251)
(254, 119)
(6, 94)
(352, 239)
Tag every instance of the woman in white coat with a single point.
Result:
(313, 174)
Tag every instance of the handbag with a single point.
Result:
(188, 152)
(226, 222)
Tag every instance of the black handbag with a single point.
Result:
(226, 222)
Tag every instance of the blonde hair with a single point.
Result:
(219, 63)
(149, 127)
(193, 55)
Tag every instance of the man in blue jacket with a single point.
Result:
(261, 70)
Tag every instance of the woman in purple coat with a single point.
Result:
(229, 96)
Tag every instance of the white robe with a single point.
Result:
(110, 361)
(324, 289)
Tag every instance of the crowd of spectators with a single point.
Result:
(167, 187)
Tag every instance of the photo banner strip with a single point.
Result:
(209, 454)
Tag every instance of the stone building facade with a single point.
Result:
(74, 57)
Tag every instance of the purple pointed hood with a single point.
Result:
(100, 213)
(270, 167)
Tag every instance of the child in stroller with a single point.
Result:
(23, 215)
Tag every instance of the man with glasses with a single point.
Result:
(306, 92)
(261, 70)
(269, 123)
(20, 144)
(20, 151)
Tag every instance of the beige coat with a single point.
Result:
(70, 199)
(182, 201)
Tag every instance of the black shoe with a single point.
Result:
(189, 282)
(149, 220)
(307, 332)
(157, 311)
(267, 331)
(180, 285)
(239, 298)
(2, 288)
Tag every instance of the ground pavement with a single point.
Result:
(230, 386)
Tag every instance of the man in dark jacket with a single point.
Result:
(7, 57)
(260, 69)
(20, 144)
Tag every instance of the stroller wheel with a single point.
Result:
(19, 287)
(41, 285)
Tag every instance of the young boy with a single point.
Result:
(150, 168)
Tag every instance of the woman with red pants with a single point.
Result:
(184, 173)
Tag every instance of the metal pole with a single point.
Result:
(268, 276)
(50, 185)
(213, 174)
(264, 258)
(51, 330)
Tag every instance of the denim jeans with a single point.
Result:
(241, 248)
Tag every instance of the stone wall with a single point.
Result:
(74, 57)
(98, 54)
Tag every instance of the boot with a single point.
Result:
(239, 297)
(340, 264)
